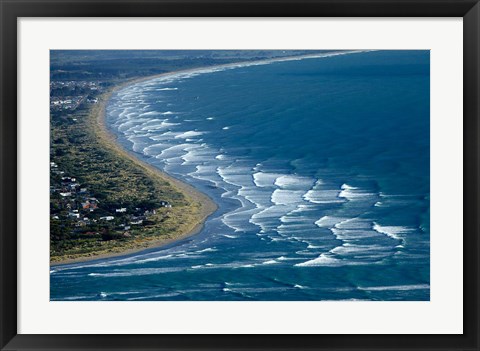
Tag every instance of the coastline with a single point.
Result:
(106, 138)
(207, 206)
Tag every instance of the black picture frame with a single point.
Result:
(12, 10)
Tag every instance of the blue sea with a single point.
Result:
(320, 168)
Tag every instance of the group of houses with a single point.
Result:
(72, 94)
(68, 103)
(76, 205)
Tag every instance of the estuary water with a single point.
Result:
(320, 168)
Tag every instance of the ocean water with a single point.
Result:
(319, 166)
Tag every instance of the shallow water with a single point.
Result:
(320, 168)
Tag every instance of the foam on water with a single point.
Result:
(323, 260)
(320, 194)
(286, 197)
(189, 134)
(396, 287)
(329, 221)
(293, 182)
(394, 232)
(263, 179)
(136, 272)
(352, 193)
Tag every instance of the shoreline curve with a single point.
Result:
(109, 140)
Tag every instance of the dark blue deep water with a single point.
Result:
(320, 168)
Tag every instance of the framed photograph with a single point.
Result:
(247, 175)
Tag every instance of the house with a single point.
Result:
(89, 205)
(140, 221)
(121, 210)
(66, 194)
(69, 180)
(75, 215)
(108, 218)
